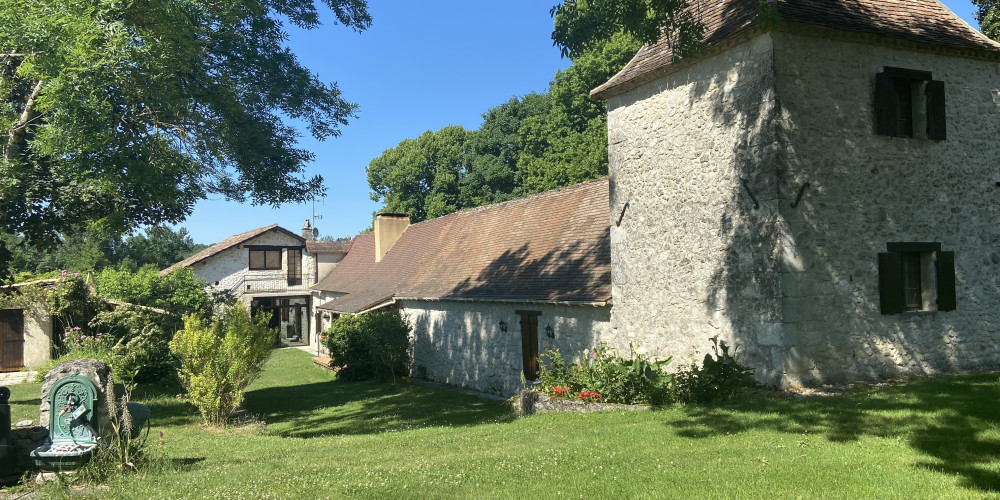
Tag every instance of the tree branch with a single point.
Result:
(17, 131)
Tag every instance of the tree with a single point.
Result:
(420, 177)
(581, 24)
(120, 114)
(988, 16)
(569, 144)
(493, 175)
(160, 246)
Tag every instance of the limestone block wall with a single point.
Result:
(694, 230)
(460, 343)
(229, 270)
(867, 190)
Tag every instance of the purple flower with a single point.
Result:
(64, 272)
(76, 274)
(76, 328)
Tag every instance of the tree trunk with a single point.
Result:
(17, 131)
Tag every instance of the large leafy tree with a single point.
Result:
(118, 113)
(569, 144)
(582, 24)
(493, 174)
(420, 177)
(988, 16)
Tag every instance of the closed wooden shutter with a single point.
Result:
(936, 123)
(885, 104)
(946, 281)
(890, 283)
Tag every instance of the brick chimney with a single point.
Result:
(309, 232)
(388, 229)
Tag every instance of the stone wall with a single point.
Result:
(867, 190)
(460, 343)
(229, 270)
(691, 256)
(694, 256)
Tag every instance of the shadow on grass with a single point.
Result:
(339, 407)
(952, 420)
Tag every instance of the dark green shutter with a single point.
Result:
(936, 129)
(946, 281)
(890, 282)
(885, 105)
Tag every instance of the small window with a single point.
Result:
(909, 103)
(265, 259)
(916, 277)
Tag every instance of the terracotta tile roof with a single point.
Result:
(225, 244)
(925, 21)
(552, 246)
(329, 246)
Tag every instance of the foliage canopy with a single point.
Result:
(988, 15)
(116, 114)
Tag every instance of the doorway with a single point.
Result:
(529, 343)
(11, 340)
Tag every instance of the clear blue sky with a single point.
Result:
(421, 66)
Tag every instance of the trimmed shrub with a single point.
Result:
(370, 345)
(219, 360)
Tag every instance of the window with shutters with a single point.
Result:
(916, 277)
(909, 103)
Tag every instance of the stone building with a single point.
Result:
(823, 193)
(271, 269)
(486, 289)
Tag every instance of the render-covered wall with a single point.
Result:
(37, 336)
(230, 269)
(690, 154)
(460, 343)
(867, 190)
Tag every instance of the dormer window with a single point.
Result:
(909, 103)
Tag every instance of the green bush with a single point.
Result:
(718, 378)
(219, 360)
(139, 339)
(370, 345)
(615, 379)
(180, 292)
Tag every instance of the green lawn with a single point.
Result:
(325, 438)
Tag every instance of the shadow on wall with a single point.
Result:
(799, 286)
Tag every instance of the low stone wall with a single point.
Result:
(530, 402)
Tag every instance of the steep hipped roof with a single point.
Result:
(549, 247)
(923, 21)
(226, 244)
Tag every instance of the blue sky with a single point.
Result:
(421, 66)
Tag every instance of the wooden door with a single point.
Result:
(529, 345)
(11, 340)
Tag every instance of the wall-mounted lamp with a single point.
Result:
(503, 327)
(549, 332)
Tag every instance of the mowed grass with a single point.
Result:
(325, 438)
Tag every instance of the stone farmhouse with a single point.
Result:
(818, 186)
(271, 269)
(489, 288)
(822, 192)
